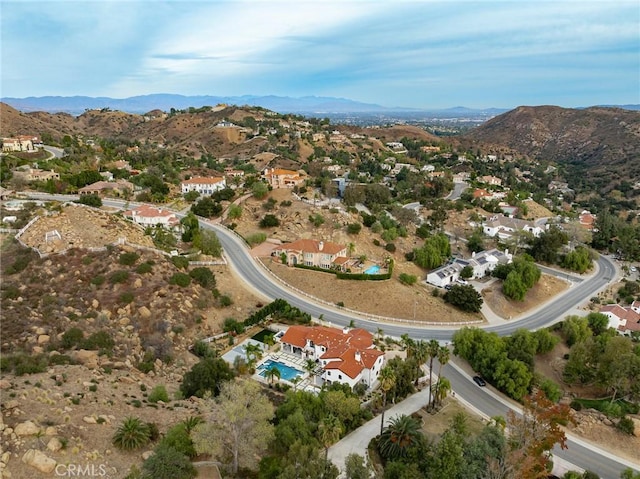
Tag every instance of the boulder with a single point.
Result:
(44, 339)
(88, 358)
(54, 444)
(39, 460)
(90, 420)
(144, 312)
(26, 428)
(5, 384)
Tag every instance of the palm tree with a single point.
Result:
(271, 374)
(432, 349)
(380, 333)
(401, 433)
(443, 386)
(295, 381)
(408, 344)
(443, 358)
(387, 380)
(253, 352)
(330, 429)
(351, 248)
(310, 367)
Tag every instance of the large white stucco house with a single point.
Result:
(310, 252)
(504, 227)
(203, 185)
(482, 264)
(146, 215)
(346, 356)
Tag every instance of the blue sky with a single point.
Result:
(419, 53)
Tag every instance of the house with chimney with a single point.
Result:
(310, 252)
(203, 185)
(146, 215)
(346, 356)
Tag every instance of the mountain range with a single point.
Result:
(141, 104)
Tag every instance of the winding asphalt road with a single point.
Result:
(484, 400)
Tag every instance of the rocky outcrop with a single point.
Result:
(39, 461)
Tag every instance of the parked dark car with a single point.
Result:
(479, 381)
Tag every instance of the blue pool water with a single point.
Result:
(372, 269)
(286, 372)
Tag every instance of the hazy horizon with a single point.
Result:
(412, 54)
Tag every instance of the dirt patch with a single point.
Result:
(385, 298)
(543, 291)
(434, 425)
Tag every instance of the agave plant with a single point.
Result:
(132, 434)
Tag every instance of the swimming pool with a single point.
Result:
(286, 372)
(372, 269)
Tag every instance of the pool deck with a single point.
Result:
(292, 361)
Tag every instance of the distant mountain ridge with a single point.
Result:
(76, 105)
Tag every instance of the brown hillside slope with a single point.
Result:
(605, 141)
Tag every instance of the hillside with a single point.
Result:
(602, 141)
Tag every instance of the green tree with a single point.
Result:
(432, 349)
(207, 241)
(259, 190)
(356, 467)
(90, 200)
(464, 297)
(575, 329)
(545, 248)
(235, 212)
(513, 287)
(513, 377)
(210, 374)
(475, 242)
(239, 426)
(207, 208)
(190, 227)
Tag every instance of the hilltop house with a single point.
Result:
(203, 185)
(625, 320)
(119, 188)
(21, 143)
(504, 227)
(309, 252)
(482, 264)
(146, 215)
(345, 356)
(281, 178)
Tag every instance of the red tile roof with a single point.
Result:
(313, 246)
(342, 348)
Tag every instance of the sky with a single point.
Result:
(394, 53)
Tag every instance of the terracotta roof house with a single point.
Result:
(119, 188)
(346, 356)
(146, 215)
(281, 178)
(322, 254)
(203, 185)
(625, 320)
(587, 220)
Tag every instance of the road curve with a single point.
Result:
(264, 284)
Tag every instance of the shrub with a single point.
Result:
(98, 280)
(129, 258)
(132, 434)
(90, 200)
(126, 297)
(408, 279)
(390, 247)
(225, 301)
(168, 463)
(178, 438)
(72, 337)
(626, 425)
(144, 268)
(232, 325)
(180, 262)
(256, 239)
(99, 340)
(119, 276)
(159, 393)
(203, 276)
(269, 221)
(354, 228)
(181, 279)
